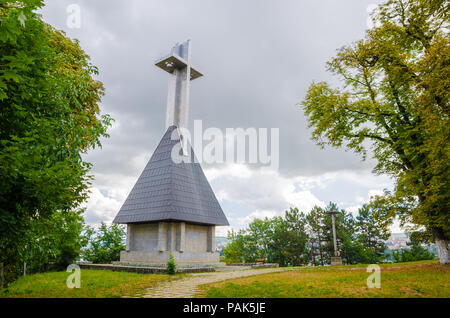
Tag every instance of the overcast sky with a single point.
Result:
(258, 59)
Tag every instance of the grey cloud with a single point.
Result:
(258, 57)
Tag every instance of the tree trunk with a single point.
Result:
(441, 245)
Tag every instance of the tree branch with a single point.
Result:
(390, 142)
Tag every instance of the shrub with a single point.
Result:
(104, 244)
(171, 265)
(415, 253)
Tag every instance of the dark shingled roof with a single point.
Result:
(171, 191)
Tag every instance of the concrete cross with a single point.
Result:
(177, 63)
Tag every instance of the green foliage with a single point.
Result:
(103, 245)
(298, 238)
(49, 117)
(355, 252)
(49, 244)
(318, 252)
(319, 228)
(235, 252)
(288, 239)
(55, 240)
(359, 240)
(414, 253)
(394, 104)
(420, 237)
(171, 266)
(279, 240)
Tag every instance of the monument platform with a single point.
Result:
(160, 257)
(145, 269)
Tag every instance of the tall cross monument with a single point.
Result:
(177, 63)
(172, 208)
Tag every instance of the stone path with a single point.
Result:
(188, 287)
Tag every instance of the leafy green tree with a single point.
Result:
(260, 234)
(359, 240)
(288, 242)
(103, 245)
(234, 251)
(314, 228)
(49, 116)
(244, 247)
(345, 227)
(420, 237)
(49, 244)
(280, 239)
(354, 252)
(372, 233)
(412, 254)
(297, 239)
(415, 252)
(55, 241)
(394, 103)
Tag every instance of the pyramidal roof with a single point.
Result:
(171, 191)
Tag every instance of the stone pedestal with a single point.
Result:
(335, 261)
(152, 243)
(161, 258)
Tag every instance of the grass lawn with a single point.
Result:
(416, 279)
(94, 283)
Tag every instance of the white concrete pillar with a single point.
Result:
(172, 237)
(162, 236)
(181, 237)
(129, 237)
(211, 245)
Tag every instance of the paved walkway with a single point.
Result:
(188, 287)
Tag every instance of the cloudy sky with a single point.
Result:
(258, 59)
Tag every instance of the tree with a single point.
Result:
(320, 223)
(394, 102)
(366, 243)
(103, 245)
(280, 239)
(260, 234)
(234, 252)
(314, 228)
(245, 246)
(415, 252)
(372, 232)
(287, 245)
(54, 241)
(49, 116)
(354, 252)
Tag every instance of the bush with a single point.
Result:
(171, 265)
(103, 245)
(415, 253)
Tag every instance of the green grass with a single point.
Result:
(416, 279)
(94, 283)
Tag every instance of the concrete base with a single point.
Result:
(146, 270)
(161, 258)
(336, 261)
